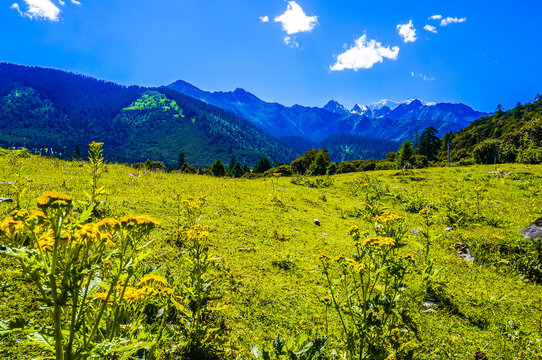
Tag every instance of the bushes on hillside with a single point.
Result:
(302, 164)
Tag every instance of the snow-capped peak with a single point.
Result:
(359, 109)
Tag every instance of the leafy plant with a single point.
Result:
(96, 162)
(85, 274)
(301, 348)
(365, 292)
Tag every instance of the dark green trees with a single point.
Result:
(218, 168)
(319, 165)
(429, 143)
(405, 155)
(262, 165)
(181, 162)
(302, 164)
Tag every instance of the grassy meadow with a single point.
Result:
(268, 272)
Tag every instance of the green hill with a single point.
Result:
(45, 108)
(508, 136)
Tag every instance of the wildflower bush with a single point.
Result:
(87, 275)
(96, 163)
(198, 332)
(365, 291)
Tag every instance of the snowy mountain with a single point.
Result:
(385, 119)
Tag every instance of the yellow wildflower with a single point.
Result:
(340, 258)
(353, 228)
(11, 227)
(47, 241)
(379, 241)
(387, 217)
(142, 222)
(359, 267)
(50, 198)
(324, 256)
(152, 278)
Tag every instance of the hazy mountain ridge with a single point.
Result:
(385, 119)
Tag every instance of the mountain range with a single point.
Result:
(386, 119)
(48, 108)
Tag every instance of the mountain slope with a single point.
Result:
(46, 108)
(385, 119)
(511, 132)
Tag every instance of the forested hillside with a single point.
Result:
(508, 136)
(46, 108)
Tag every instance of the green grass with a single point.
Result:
(264, 233)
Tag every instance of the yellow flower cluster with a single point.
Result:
(324, 256)
(142, 222)
(197, 232)
(353, 229)
(409, 257)
(192, 204)
(47, 241)
(10, 227)
(108, 225)
(376, 241)
(388, 217)
(53, 198)
(151, 278)
(91, 233)
(95, 145)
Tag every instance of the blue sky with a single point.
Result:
(305, 51)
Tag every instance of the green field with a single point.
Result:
(264, 234)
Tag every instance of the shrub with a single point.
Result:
(283, 170)
(347, 167)
(319, 165)
(302, 164)
(487, 152)
(262, 165)
(385, 165)
(531, 155)
(332, 168)
(154, 165)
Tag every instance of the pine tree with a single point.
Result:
(319, 165)
(181, 161)
(429, 143)
(406, 155)
(77, 153)
(218, 169)
(262, 165)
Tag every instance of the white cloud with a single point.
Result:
(294, 19)
(62, 3)
(427, 78)
(451, 20)
(291, 42)
(435, 17)
(39, 9)
(407, 32)
(363, 55)
(76, 2)
(412, 73)
(430, 28)
(264, 19)
(15, 6)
